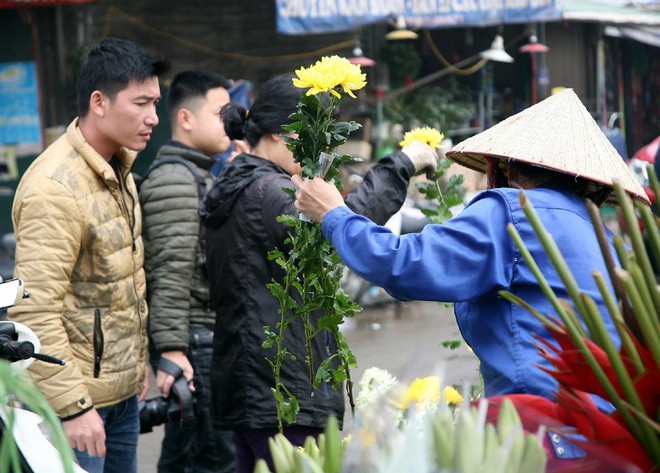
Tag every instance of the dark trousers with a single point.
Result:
(200, 449)
(252, 445)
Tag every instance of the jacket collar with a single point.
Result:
(176, 148)
(125, 157)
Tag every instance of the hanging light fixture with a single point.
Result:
(400, 30)
(496, 51)
(359, 58)
(532, 48)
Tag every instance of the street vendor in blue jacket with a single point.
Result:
(556, 153)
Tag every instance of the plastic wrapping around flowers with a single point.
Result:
(415, 428)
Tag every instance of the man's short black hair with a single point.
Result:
(110, 65)
(193, 84)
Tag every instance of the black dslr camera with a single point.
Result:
(178, 407)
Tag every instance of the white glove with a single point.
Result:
(423, 157)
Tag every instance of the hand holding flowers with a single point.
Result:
(309, 293)
(420, 146)
(316, 197)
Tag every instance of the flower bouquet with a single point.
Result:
(312, 268)
(587, 360)
(420, 427)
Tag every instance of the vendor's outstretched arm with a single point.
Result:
(467, 256)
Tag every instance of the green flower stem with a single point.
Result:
(279, 359)
(576, 332)
(627, 385)
(346, 366)
(621, 252)
(637, 240)
(9, 452)
(652, 232)
(543, 283)
(309, 334)
(553, 253)
(627, 343)
(653, 178)
(599, 228)
(642, 288)
(647, 322)
(509, 296)
(22, 387)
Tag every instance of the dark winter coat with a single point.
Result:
(244, 204)
(175, 252)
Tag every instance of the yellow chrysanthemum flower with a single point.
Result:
(328, 74)
(428, 135)
(452, 396)
(422, 391)
(367, 437)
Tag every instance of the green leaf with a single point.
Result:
(452, 344)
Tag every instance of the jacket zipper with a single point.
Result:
(131, 223)
(98, 342)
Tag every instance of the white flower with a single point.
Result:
(374, 384)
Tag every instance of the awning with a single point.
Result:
(644, 34)
(38, 3)
(326, 16)
(616, 12)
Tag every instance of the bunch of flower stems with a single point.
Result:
(634, 307)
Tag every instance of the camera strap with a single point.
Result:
(170, 367)
(184, 396)
(186, 402)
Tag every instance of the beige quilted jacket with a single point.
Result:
(79, 251)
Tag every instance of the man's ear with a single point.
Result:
(184, 119)
(98, 102)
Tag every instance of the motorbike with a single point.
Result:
(32, 437)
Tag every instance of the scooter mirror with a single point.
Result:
(11, 293)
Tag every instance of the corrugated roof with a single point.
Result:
(618, 12)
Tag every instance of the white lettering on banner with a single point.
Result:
(422, 7)
(327, 8)
(489, 5)
(294, 8)
(353, 7)
(443, 6)
(311, 8)
(460, 6)
(516, 3)
(386, 7)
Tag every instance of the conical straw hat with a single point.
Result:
(559, 134)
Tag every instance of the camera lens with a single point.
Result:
(153, 412)
(179, 407)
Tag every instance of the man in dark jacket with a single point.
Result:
(181, 320)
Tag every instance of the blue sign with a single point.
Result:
(326, 16)
(20, 121)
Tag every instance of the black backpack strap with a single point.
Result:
(201, 182)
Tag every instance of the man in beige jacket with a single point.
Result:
(79, 250)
